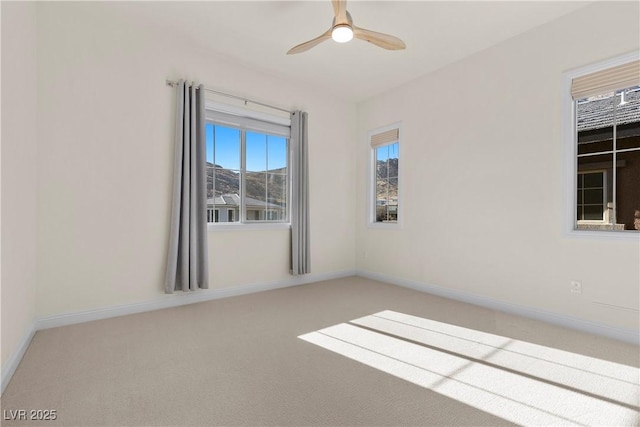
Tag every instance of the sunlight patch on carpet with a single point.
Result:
(515, 380)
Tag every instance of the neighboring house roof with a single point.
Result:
(598, 113)
(233, 200)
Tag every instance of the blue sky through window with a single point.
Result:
(387, 152)
(264, 152)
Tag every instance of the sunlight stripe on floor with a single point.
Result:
(503, 393)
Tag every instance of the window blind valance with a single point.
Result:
(608, 80)
(384, 138)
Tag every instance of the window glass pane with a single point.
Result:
(393, 191)
(593, 180)
(276, 197)
(631, 142)
(604, 143)
(392, 164)
(593, 213)
(596, 163)
(208, 133)
(393, 151)
(266, 196)
(210, 190)
(628, 119)
(593, 197)
(276, 188)
(382, 199)
(256, 152)
(255, 197)
(382, 157)
(628, 190)
(277, 152)
(227, 190)
(595, 123)
(580, 196)
(227, 147)
(226, 182)
(382, 153)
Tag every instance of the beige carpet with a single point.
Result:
(341, 352)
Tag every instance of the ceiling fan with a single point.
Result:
(342, 30)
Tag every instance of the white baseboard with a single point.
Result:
(12, 364)
(181, 298)
(627, 335)
(166, 301)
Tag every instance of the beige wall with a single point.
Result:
(481, 159)
(105, 166)
(19, 172)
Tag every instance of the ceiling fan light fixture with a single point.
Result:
(342, 30)
(342, 33)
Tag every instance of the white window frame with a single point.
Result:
(213, 107)
(569, 155)
(371, 181)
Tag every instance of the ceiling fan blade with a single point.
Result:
(303, 47)
(385, 41)
(340, 11)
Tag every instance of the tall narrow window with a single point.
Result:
(607, 148)
(385, 145)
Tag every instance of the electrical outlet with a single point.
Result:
(576, 286)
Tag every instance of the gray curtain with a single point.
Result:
(187, 256)
(300, 257)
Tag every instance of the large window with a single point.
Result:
(247, 173)
(606, 137)
(385, 144)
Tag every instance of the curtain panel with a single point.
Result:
(300, 244)
(187, 258)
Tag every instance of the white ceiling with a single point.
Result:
(259, 33)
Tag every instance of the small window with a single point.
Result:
(606, 141)
(385, 203)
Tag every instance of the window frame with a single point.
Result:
(569, 152)
(371, 181)
(243, 224)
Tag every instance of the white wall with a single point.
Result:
(481, 159)
(19, 173)
(104, 165)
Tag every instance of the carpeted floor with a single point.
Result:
(342, 352)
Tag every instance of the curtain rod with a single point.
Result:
(173, 83)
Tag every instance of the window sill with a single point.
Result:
(248, 226)
(598, 226)
(628, 235)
